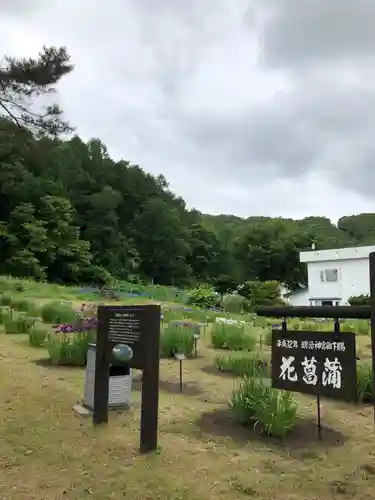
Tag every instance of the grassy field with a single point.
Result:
(48, 452)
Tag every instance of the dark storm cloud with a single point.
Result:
(328, 51)
(311, 128)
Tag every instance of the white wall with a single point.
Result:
(353, 279)
(336, 254)
(300, 298)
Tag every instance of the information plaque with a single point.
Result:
(130, 334)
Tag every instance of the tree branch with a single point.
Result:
(11, 114)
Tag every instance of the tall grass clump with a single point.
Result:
(4, 314)
(365, 392)
(231, 337)
(37, 337)
(68, 349)
(5, 299)
(177, 339)
(18, 325)
(242, 365)
(260, 321)
(361, 327)
(24, 305)
(273, 411)
(55, 312)
(170, 315)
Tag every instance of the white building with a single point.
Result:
(333, 276)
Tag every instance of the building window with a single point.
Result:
(329, 275)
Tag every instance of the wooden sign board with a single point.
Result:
(138, 328)
(315, 362)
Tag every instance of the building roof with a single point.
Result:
(325, 298)
(295, 292)
(337, 254)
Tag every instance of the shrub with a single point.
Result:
(177, 340)
(24, 305)
(254, 403)
(359, 300)
(225, 284)
(21, 324)
(365, 393)
(37, 337)
(231, 337)
(68, 349)
(18, 287)
(241, 365)
(203, 297)
(261, 293)
(234, 304)
(56, 312)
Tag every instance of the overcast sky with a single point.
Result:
(249, 107)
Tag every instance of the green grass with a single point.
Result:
(232, 337)
(47, 452)
(251, 365)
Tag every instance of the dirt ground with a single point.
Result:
(48, 452)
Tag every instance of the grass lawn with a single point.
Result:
(48, 452)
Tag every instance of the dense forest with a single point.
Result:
(69, 213)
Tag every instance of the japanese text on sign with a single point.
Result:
(330, 376)
(315, 362)
(311, 345)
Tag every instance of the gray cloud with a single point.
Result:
(305, 32)
(237, 105)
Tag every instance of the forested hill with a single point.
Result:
(70, 213)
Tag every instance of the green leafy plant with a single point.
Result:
(203, 297)
(231, 337)
(254, 403)
(365, 392)
(68, 349)
(261, 293)
(277, 414)
(37, 337)
(177, 340)
(56, 312)
(225, 284)
(240, 365)
(359, 300)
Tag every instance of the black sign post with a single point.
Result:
(130, 333)
(372, 307)
(318, 363)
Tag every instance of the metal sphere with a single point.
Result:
(122, 352)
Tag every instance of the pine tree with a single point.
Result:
(22, 81)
